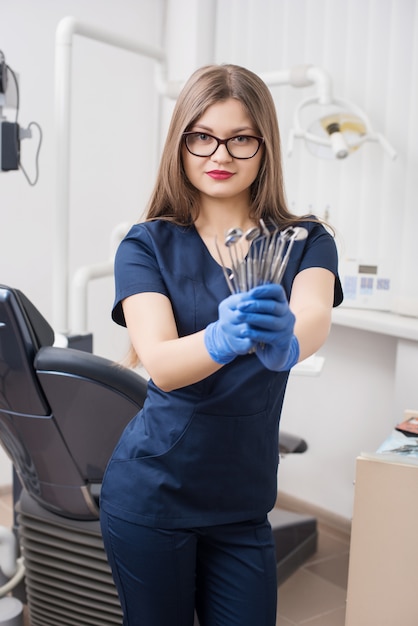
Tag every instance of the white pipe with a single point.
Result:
(81, 279)
(319, 77)
(169, 89)
(62, 148)
(279, 77)
(15, 580)
(117, 234)
(84, 275)
(303, 76)
(8, 551)
(67, 28)
(206, 27)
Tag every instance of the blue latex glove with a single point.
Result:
(229, 335)
(271, 327)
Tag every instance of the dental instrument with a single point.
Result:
(267, 257)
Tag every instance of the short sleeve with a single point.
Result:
(322, 252)
(136, 269)
(318, 250)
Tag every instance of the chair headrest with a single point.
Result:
(42, 331)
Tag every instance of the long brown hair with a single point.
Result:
(173, 197)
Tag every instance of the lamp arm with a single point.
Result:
(290, 142)
(322, 80)
(387, 147)
(303, 76)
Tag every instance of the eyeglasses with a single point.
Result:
(239, 147)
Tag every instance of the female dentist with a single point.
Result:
(186, 493)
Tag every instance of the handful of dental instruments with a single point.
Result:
(266, 259)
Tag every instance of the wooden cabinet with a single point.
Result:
(383, 569)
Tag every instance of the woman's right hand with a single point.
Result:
(229, 336)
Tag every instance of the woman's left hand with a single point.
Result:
(271, 327)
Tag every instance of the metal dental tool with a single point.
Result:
(250, 235)
(292, 234)
(224, 269)
(267, 257)
(233, 236)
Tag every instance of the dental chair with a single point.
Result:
(61, 414)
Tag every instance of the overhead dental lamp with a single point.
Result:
(338, 131)
(337, 127)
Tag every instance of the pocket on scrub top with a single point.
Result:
(219, 463)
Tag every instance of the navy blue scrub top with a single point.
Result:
(207, 453)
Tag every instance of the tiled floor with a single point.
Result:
(313, 596)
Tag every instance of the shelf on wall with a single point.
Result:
(382, 322)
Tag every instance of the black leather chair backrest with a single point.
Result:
(21, 337)
(61, 410)
(92, 399)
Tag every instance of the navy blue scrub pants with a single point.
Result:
(227, 573)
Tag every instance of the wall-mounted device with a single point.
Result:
(9, 146)
(366, 285)
(11, 133)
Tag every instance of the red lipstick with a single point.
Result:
(219, 174)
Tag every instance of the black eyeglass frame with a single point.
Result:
(222, 142)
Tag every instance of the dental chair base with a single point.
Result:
(68, 579)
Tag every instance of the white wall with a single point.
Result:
(370, 49)
(348, 409)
